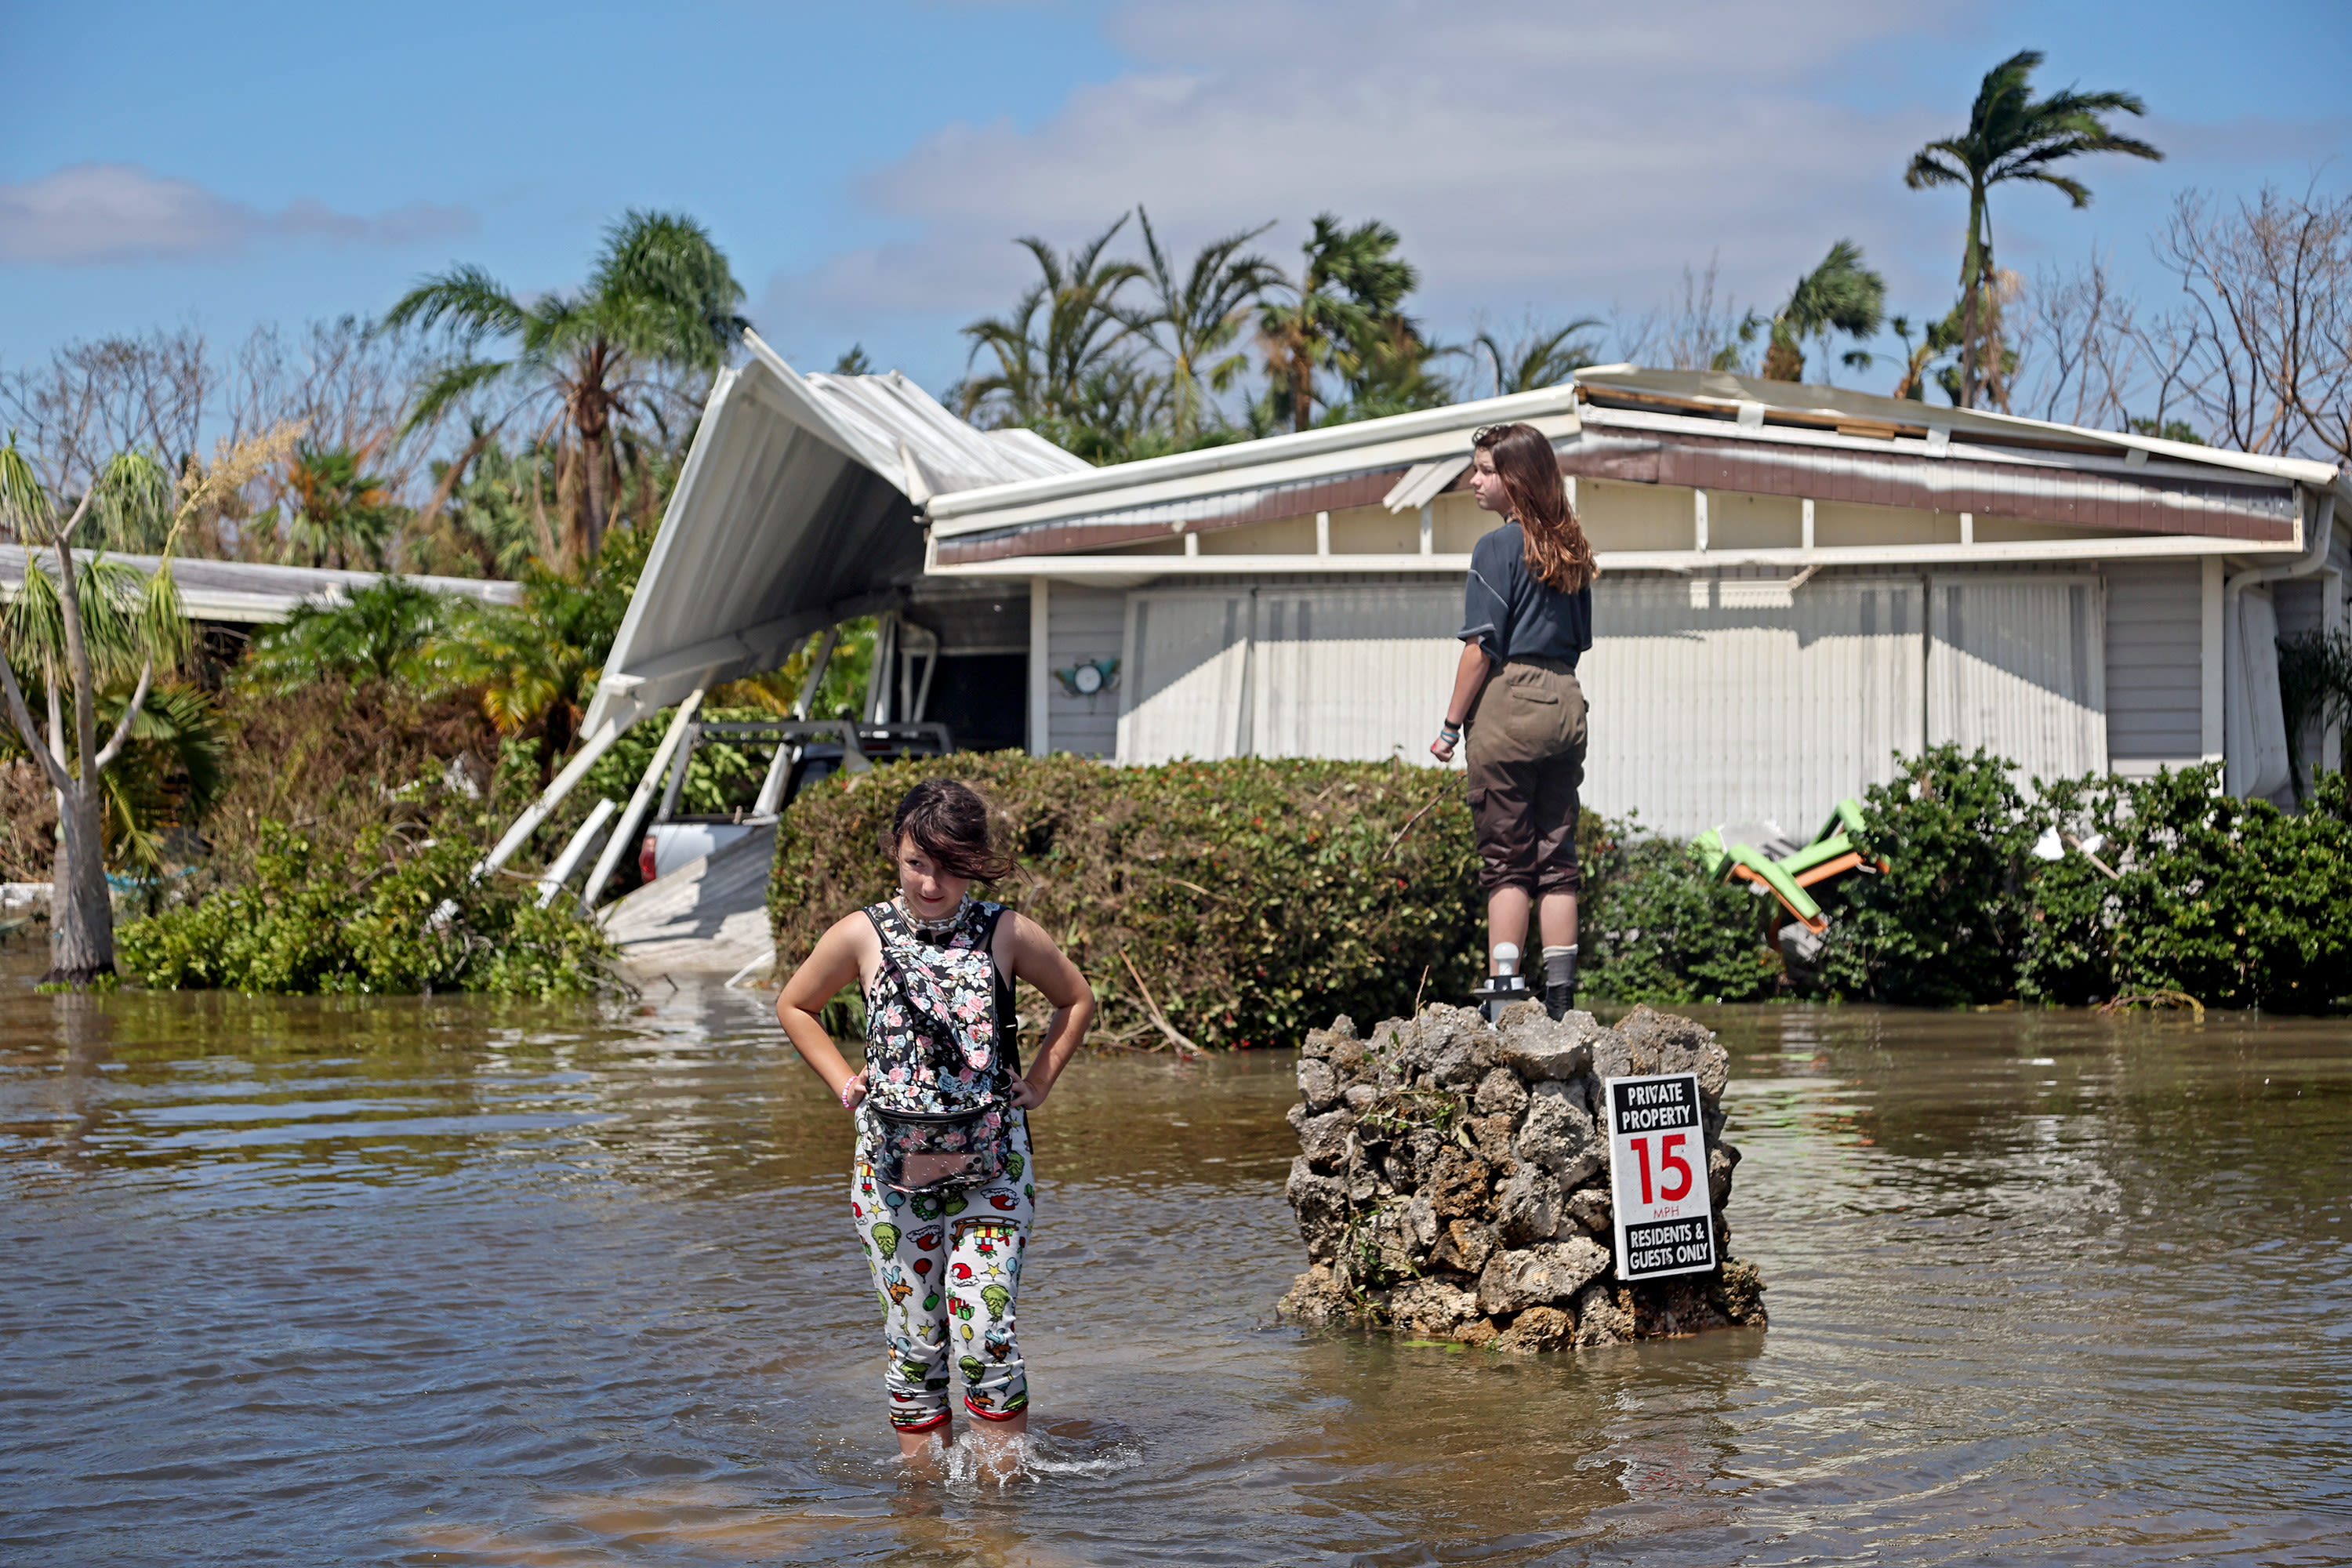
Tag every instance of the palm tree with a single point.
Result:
(1344, 315)
(384, 631)
(535, 665)
(1919, 360)
(1066, 333)
(1840, 295)
(95, 624)
(85, 631)
(1538, 360)
(2013, 135)
(342, 516)
(660, 297)
(1201, 314)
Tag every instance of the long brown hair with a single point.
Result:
(1559, 555)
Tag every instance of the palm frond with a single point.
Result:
(468, 298)
(133, 503)
(24, 506)
(450, 386)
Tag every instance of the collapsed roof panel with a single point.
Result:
(793, 511)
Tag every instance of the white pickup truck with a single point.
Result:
(807, 750)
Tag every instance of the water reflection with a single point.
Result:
(441, 1281)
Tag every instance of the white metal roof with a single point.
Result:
(250, 591)
(1730, 392)
(1400, 439)
(1432, 442)
(796, 509)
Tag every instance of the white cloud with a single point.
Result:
(1552, 157)
(1532, 153)
(120, 211)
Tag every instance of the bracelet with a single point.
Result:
(1450, 732)
(856, 1083)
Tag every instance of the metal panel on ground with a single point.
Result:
(2018, 666)
(1183, 675)
(1361, 673)
(1739, 698)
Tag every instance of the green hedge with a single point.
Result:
(390, 912)
(1256, 897)
(1653, 930)
(2232, 902)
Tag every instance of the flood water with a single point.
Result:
(453, 1282)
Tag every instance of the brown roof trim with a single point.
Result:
(2072, 496)
(1204, 514)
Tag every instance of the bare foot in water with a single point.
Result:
(997, 1446)
(926, 1450)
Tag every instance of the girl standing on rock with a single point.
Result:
(1528, 616)
(942, 1185)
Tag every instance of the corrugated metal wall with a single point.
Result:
(2018, 666)
(1722, 700)
(1318, 671)
(1083, 623)
(2154, 674)
(1713, 699)
(1183, 675)
(1360, 673)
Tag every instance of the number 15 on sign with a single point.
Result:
(1657, 1167)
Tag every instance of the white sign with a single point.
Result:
(1657, 1171)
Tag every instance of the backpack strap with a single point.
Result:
(1008, 1027)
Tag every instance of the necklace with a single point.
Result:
(939, 927)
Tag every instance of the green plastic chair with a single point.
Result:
(1831, 853)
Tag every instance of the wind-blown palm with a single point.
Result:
(1054, 350)
(1840, 295)
(660, 296)
(1195, 317)
(2013, 135)
(1344, 315)
(1538, 360)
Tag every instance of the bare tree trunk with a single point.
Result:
(81, 913)
(595, 454)
(81, 917)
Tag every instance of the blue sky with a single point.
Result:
(865, 166)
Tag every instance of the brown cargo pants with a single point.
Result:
(1526, 759)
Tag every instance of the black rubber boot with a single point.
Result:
(1558, 1000)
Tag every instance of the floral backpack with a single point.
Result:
(939, 1077)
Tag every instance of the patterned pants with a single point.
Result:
(947, 1272)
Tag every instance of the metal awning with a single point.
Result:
(796, 509)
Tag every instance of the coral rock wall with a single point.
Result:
(1453, 1181)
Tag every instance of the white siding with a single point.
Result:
(2018, 666)
(1082, 623)
(1717, 702)
(1356, 672)
(1183, 675)
(2154, 669)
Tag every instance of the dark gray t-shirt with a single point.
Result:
(1512, 614)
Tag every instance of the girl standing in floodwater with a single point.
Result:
(942, 1184)
(1528, 615)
